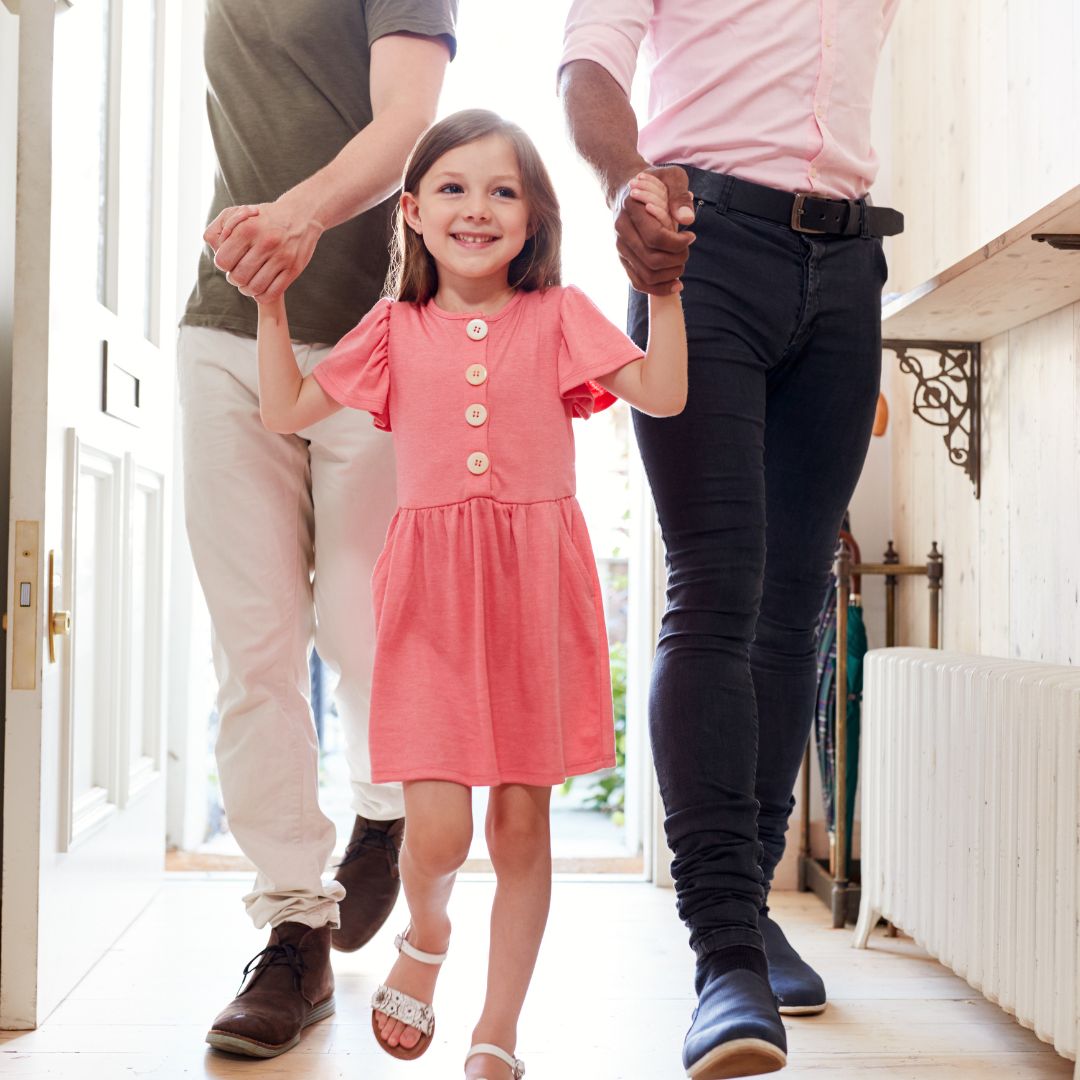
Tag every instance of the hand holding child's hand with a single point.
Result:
(263, 248)
(652, 193)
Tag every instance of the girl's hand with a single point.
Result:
(653, 193)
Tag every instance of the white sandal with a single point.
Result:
(517, 1066)
(399, 1006)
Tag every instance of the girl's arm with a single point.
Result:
(656, 384)
(288, 402)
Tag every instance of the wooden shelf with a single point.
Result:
(1006, 283)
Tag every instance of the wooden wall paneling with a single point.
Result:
(1040, 163)
(913, 176)
(1044, 521)
(1059, 482)
(993, 581)
(956, 528)
(954, 85)
(990, 122)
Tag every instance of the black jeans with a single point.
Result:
(751, 482)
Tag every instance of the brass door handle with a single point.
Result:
(59, 624)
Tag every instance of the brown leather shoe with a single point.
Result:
(370, 875)
(291, 986)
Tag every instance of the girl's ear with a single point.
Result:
(411, 211)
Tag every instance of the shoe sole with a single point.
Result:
(740, 1057)
(237, 1044)
(803, 1010)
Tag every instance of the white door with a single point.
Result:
(92, 389)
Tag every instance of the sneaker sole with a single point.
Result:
(803, 1010)
(237, 1044)
(740, 1057)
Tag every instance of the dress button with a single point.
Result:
(476, 329)
(476, 414)
(476, 374)
(478, 463)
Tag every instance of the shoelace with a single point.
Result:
(376, 839)
(272, 955)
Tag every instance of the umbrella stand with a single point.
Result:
(831, 880)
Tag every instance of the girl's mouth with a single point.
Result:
(474, 239)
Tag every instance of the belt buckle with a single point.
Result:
(797, 213)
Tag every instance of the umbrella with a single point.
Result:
(825, 719)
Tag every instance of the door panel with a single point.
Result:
(84, 784)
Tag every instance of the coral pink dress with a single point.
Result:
(491, 657)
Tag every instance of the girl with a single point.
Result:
(491, 661)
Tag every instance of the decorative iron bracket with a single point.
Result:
(947, 397)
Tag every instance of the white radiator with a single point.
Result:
(970, 780)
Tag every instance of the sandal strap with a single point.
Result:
(402, 946)
(412, 1013)
(516, 1064)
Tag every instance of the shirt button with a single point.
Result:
(476, 329)
(476, 414)
(478, 463)
(476, 374)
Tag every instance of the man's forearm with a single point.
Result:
(602, 124)
(366, 171)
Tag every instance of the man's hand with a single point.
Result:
(263, 249)
(653, 253)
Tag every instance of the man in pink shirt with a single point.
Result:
(759, 125)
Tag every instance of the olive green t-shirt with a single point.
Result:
(288, 87)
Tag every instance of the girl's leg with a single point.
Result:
(519, 841)
(437, 839)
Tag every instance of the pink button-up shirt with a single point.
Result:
(775, 91)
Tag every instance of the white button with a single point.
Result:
(476, 329)
(478, 463)
(476, 414)
(476, 374)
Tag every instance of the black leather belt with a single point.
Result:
(803, 212)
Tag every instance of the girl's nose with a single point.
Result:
(477, 211)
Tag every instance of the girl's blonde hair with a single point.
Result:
(413, 276)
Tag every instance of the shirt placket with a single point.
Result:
(476, 413)
(823, 90)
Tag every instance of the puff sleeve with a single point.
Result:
(357, 371)
(591, 347)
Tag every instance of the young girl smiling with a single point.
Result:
(491, 663)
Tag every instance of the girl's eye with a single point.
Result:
(506, 193)
(452, 189)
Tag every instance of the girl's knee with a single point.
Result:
(438, 848)
(518, 837)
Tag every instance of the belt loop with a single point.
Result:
(727, 186)
(864, 220)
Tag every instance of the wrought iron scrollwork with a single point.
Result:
(947, 397)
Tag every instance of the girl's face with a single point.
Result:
(470, 211)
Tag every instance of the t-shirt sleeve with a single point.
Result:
(357, 371)
(430, 18)
(591, 347)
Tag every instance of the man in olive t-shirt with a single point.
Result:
(314, 106)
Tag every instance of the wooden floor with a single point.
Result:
(610, 1000)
